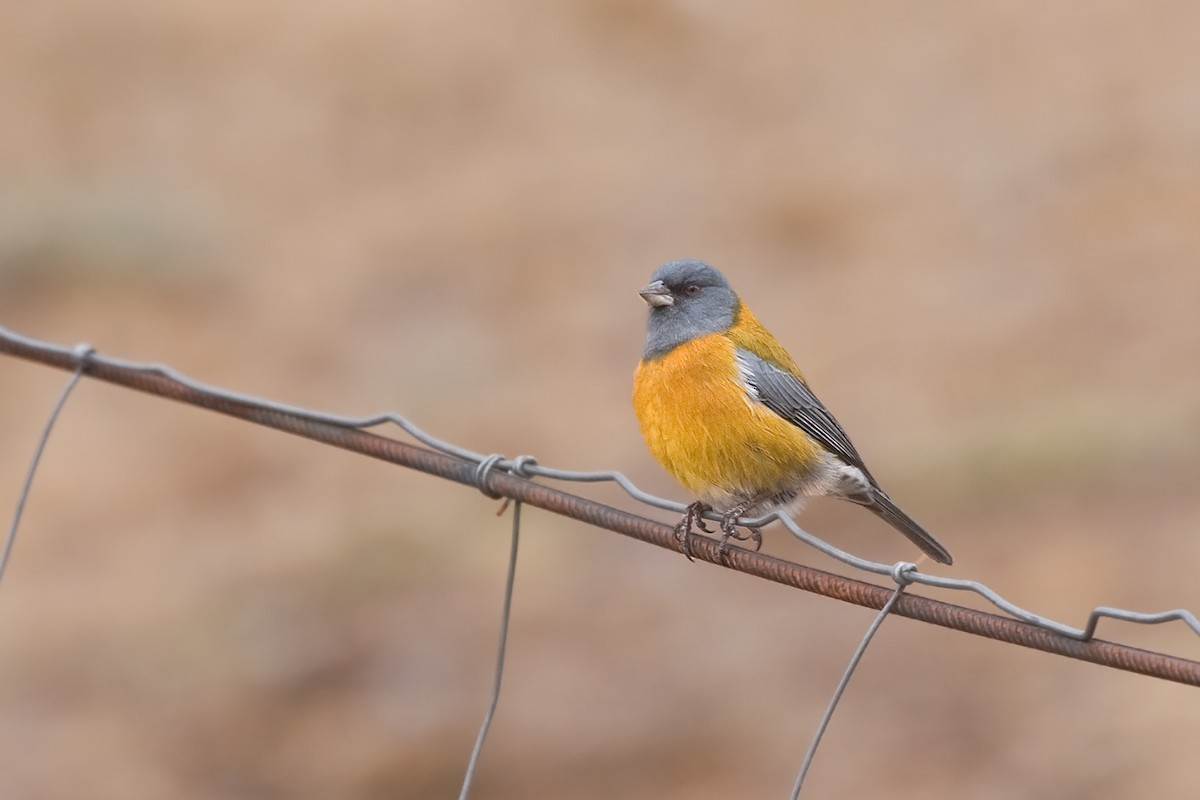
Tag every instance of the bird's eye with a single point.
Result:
(692, 290)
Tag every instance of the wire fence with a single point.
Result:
(511, 478)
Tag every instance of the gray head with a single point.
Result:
(687, 299)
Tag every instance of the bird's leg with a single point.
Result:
(692, 517)
(729, 526)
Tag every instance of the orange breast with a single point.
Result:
(708, 433)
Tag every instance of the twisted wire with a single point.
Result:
(509, 478)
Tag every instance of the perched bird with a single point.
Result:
(725, 410)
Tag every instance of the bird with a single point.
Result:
(725, 410)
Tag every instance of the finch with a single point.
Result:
(725, 410)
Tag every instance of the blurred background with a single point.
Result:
(974, 225)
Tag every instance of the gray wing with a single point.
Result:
(790, 398)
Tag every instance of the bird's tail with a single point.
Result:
(886, 510)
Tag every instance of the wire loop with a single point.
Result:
(483, 471)
(83, 353)
(902, 572)
(521, 466)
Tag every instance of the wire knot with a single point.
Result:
(82, 353)
(520, 466)
(902, 572)
(483, 471)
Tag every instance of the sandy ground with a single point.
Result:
(974, 226)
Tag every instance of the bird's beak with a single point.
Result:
(657, 294)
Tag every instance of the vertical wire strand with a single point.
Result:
(841, 687)
(33, 465)
(505, 615)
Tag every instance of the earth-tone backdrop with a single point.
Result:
(975, 225)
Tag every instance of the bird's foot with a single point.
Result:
(692, 517)
(729, 530)
(754, 535)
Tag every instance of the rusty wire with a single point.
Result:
(504, 478)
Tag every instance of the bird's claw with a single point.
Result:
(729, 531)
(681, 536)
(692, 517)
(756, 537)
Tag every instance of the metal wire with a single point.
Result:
(81, 353)
(902, 582)
(505, 615)
(503, 477)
